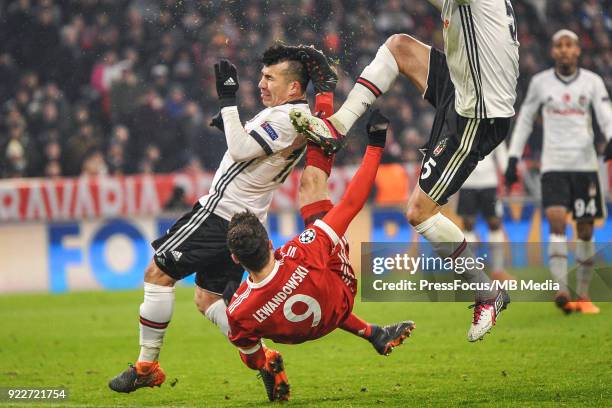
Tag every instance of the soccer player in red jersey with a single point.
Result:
(301, 291)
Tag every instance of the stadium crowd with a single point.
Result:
(127, 86)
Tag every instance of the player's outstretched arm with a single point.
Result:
(240, 145)
(359, 188)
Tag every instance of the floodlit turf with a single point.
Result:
(534, 357)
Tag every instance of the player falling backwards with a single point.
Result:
(566, 94)
(260, 156)
(472, 86)
(297, 293)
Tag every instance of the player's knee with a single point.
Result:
(415, 214)
(153, 274)
(494, 223)
(313, 186)
(400, 44)
(204, 300)
(468, 223)
(584, 231)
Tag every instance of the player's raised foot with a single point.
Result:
(143, 374)
(564, 303)
(384, 339)
(585, 306)
(318, 131)
(274, 377)
(486, 313)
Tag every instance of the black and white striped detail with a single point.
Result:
(467, 140)
(260, 140)
(471, 46)
(202, 214)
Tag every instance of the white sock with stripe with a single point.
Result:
(155, 314)
(585, 251)
(557, 259)
(216, 314)
(375, 80)
(448, 241)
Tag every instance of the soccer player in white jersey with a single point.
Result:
(566, 94)
(472, 86)
(478, 195)
(259, 157)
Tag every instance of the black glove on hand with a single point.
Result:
(217, 121)
(377, 129)
(511, 175)
(608, 151)
(226, 77)
(319, 68)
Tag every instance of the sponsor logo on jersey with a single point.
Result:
(308, 236)
(269, 130)
(440, 147)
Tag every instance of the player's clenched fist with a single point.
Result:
(226, 77)
(511, 175)
(377, 129)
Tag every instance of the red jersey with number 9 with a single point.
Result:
(303, 298)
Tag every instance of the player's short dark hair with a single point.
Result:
(280, 53)
(247, 239)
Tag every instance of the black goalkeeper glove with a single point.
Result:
(377, 129)
(226, 78)
(511, 175)
(608, 151)
(217, 121)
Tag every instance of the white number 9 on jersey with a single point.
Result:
(314, 309)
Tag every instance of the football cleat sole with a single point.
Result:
(302, 124)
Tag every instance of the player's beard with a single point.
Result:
(566, 69)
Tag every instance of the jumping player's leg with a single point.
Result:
(401, 53)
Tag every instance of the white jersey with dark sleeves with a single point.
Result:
(238, 186)
(566, 105)
(481, 48)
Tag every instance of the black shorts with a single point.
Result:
(456, 143)
(196, 243)
(579, 192)
(483, 201)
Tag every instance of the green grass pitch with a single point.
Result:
(534, 357)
